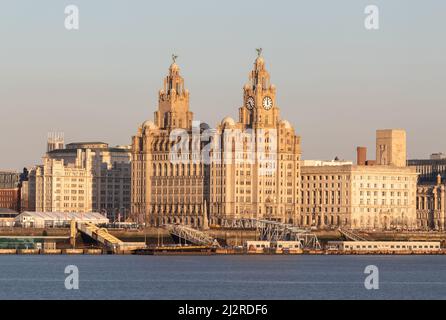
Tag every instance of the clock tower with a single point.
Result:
(259, 108)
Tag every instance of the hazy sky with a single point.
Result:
(336, 82)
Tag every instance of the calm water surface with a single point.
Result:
(222, 277)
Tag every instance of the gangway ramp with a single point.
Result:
(351, 235)
(100, 234)
(275, 231)
(191, 235)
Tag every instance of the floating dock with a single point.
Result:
(51, 251)
(175, 250)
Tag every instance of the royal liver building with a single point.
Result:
(254, 172)
(185, 172)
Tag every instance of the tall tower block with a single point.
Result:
(391, 147)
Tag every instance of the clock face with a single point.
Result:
(267, 103)
(250, 103)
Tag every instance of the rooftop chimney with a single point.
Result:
(361, 157)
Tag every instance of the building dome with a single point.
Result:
(260, 63)
(204, 126)
(286, 124)
(149, 125)
(228, 121)
(174, 67)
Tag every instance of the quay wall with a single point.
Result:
(229, 237)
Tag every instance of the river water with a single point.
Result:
(222, 277)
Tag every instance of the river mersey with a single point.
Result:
(222, 277)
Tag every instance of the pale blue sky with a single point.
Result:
(336, 82)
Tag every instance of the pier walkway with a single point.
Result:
(350, 235)
(275, 231)
(99, 234)
(267, 230)
(191, 235)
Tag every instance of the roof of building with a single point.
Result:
(414, 162)
(228, 121)
(65, 215)
(72, 148)
(6, 211)
(96, 143)
(322, 163)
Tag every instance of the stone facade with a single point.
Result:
(429, 169)
(110, 169)
(391, 147)
(358, 197)
(381, 196)
(9, 199)
(187, 173)
(431, 205)
(9, 179)
(163, 190)
(255, 170)
(9, 190)
(58, 187)
(251, 168)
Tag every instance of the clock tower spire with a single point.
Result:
(259, 108)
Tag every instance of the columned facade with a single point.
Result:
(255, 169)
(187, 173)
(167, 190)
(431, 206)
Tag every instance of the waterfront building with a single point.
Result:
(7, 217)
(88, 176)
(57, 219)
(255, 161)
(9, 179)
(110, 168)
(57, 186)
(381, 196)
(431, 206)
(229, 180)
(9, 190)
(165, 190)
(24, 195)
(429, 169)
(385, 246)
